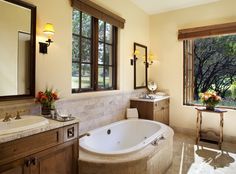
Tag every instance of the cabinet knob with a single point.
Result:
(162, 108)
(34, 161)
(28, 162)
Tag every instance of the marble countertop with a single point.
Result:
(51, 125)
(150, 100)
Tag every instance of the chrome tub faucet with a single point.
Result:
(7, 118)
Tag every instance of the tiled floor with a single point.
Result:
(202, 159)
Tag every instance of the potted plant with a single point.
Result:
(210, 99)
(46, 99)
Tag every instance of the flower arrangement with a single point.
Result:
(47, 99)
(210, 99)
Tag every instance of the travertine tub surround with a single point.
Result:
(149, 160)
(93, 112)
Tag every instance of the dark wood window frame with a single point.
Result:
(98, 12)
(94, 56)
(188, 67)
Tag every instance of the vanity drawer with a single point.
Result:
(160, 105)
(28, 145)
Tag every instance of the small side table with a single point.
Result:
(199, 123)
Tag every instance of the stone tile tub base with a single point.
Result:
(153, 159)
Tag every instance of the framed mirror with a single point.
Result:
(140, 66)
(17, 48)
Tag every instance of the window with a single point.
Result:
(210, 63)
(93, 54)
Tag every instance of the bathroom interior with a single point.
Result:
(117, 87)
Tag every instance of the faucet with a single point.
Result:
(7, 118)
(83, 135)
(18, 114)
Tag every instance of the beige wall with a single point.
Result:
(169, 73)
(10, 25)
(54, 69)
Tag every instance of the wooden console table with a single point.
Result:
(199, 124)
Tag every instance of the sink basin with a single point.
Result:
(26, 123)
(151, 97)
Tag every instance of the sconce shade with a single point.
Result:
(137, 52)
(151, 57)
(49, 29)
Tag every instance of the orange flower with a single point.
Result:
(54, 96)
(46, 98)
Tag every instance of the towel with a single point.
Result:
(132, 113)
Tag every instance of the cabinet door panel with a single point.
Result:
(15, 167)
(58, 160)
(145, 109)
(162, 115)
(161, 104)
(158, 116)
(166, 117)
(16, 170)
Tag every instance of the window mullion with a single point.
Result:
(80, 52)
(114, 57)
(95, 53)
(104, 56)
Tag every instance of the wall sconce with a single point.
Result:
(151, 59)
(49, 31)
(135, 54)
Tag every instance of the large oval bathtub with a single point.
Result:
(123, 137)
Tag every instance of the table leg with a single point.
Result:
(197, 127)
(221, 129)
(200, 126)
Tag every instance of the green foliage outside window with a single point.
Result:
(215, 67)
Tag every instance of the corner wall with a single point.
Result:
(169, 72)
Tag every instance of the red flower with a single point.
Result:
(43, 98)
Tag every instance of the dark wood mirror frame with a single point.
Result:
(146, 67)
(32, 52)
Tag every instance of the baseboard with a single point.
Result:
(192, 132)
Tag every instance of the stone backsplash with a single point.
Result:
(93, 112)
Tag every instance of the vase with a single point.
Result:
(210, 107)
(46, 110)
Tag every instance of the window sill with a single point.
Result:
(92, 94)
(220, 107)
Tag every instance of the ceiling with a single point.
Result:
(159, 6)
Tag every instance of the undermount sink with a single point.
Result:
(25, 123)
(151, 97)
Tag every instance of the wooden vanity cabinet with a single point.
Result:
(15, 167)
(152, 110)
(51, 152)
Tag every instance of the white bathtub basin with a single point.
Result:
(26, 123)
(123, 137)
